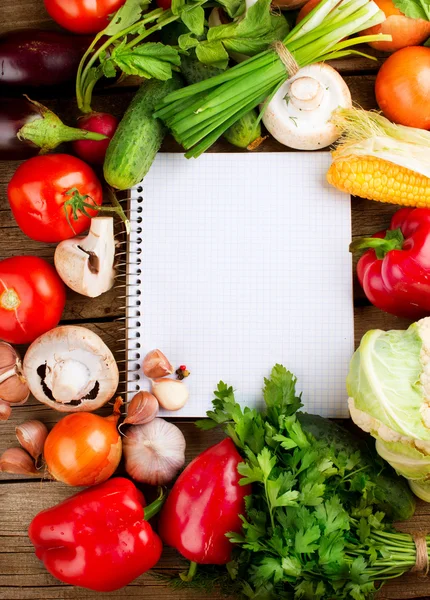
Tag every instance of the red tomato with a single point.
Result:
(403, 87)
(404, 30)
(32, 298)
(166, 4)
(82, 16)
(40, 198)
(89, 150)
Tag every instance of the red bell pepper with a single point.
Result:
(204, 505)
(395, 272)
(99, 538)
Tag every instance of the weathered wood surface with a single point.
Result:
(22, 576)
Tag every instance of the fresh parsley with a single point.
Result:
(313, 527)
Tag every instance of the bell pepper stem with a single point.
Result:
(189, 576)
(393, 241)
(151, 510)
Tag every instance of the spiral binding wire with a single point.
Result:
(127, 285)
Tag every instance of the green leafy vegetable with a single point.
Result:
(313, 526)
(388, 388)
(147, 60)
(250, 35)
(127, 15)
(415, 9)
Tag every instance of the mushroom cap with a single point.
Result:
(291, 123)
(71, 369)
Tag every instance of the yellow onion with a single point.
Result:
(84, 448)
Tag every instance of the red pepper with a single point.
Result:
(204, 505)
(395, 272)
(99, 538)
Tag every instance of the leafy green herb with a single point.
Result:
(250, 35)
(415, 9)
(127, 15)
(312, 528)
(147, 60)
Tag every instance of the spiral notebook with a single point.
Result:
(237, 262)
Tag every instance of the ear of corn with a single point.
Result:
(378, 179)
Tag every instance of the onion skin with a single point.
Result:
(402, 87)
(404, 30)
(84, 449)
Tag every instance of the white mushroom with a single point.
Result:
(86, 264)
(299, 113)
(71, 369)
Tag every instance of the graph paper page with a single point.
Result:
(245, 264)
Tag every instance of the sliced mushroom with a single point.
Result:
(299, 113)
(86, 264)
(71, 369)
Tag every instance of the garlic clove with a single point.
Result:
(172, 394)
(32, 435)
(13, 386)
(154, 452)
(5, 410)
(17, 461)
(156, 365)
(142, 409)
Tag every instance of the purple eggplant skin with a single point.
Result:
(14, 114)
(32, 58)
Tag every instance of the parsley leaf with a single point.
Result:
(305, 539)
(127, 15)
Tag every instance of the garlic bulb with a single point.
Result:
(18, 462)
(32, 435)
(5, 410)
(142, 409)
(13, 386)
(155, 364)
(154, 452)
(172, 394)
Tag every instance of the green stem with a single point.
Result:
(154, 508)
(189, 576)
(393, 241)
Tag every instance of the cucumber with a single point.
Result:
(138, 138)
(391, 492)
(246, 130)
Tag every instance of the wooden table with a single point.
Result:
(22, 576)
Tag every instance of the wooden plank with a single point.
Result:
(22, 576)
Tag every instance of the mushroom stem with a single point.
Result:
(306, 93)
(86, 264)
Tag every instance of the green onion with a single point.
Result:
(200, 113)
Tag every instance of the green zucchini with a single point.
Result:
(245, 131)
(138, 138)
(391, 492)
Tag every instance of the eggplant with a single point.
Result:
(34, 58)
(28, 128)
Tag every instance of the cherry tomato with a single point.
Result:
(32, 298)
(88, 150)
(49, 196)
(82, 16)
(403, 87)
(404, 30)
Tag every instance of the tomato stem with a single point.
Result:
(9, 300)
(78, 202)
